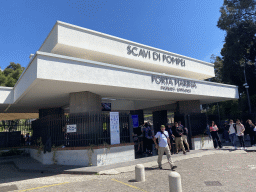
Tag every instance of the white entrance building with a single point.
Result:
(77, 69)
(74, 62)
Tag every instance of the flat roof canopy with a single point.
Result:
(131, 75)
(70, 40)
(50, 78)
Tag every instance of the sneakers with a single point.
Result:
(160, 167)
(173, 167)
(184, 152)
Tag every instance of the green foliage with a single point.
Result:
(10, 75)
(238, 20)
(227, 109)
(234, 12)
(218, 65)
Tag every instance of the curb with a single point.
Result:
(118, 170)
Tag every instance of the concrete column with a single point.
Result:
(188, 107)
(159, 118)
(82, 102)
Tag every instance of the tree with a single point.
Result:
(218, 65)
(235, 12)
(10, 75)
(238, 19)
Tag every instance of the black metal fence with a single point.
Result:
(91, 129)
(22, 125)
(12, 132)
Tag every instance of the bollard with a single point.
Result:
(139, 173)
(175, 182)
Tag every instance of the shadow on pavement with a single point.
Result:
(151, 168)
(9, 173)
(132, 180)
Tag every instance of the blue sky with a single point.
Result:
(186, 27)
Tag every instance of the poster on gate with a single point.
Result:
(114, 128)
(71, 128)
(135, 121)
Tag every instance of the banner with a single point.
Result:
(114, 128)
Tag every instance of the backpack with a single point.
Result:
(234, 125)
(150, 132)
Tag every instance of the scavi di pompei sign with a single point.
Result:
(153, 55)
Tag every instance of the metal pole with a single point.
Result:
(218, 112)
(247, 87)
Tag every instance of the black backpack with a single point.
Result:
(234, 125)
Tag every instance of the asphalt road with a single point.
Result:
(226, 171)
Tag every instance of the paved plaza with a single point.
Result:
(202, 170)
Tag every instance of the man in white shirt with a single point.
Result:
(164, 141)
(232, 133)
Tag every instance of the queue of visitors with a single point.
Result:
(177, 134)
(237, 132)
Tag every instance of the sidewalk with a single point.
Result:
(28, 164)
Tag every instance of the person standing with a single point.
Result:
(225, 132)
(251, 132)
(247, 128)
(184, 135)
(178, 132)
(208, 131)
(215, 136)
(148, 133)
(27, 139)
(232, 133)
(171, 136)
(164, 141)
(240, 132)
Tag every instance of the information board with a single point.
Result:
(114, 128)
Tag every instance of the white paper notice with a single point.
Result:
(114, 128)
(71, 128)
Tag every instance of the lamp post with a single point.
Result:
(247, 87)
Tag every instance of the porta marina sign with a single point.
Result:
(174, 84)
(156, 56)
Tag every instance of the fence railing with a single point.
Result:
(12, 132)
(91, 129)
